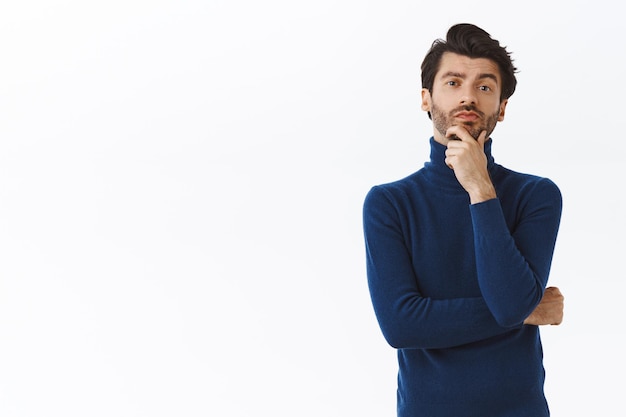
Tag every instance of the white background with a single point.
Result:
(181, 185)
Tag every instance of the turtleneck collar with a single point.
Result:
(440, 174)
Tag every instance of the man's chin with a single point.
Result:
(471, 129)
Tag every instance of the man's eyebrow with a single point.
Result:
(452, 74)
(463, 76)
(488, 75)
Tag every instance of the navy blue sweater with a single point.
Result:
(451, 284)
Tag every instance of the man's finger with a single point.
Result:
(482, 138)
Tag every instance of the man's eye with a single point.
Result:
(485, 88)
(452, 83)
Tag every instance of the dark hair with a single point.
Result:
(471, 41)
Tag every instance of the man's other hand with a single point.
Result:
(549, 310)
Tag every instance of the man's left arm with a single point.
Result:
(512, 266)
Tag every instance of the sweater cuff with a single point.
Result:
(488, 218)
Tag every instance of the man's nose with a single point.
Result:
(468, 96)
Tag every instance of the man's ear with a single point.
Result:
(426, 100)
(502, 108)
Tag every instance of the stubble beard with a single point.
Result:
(443, 121)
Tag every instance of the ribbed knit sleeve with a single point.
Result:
(407, 318)
(513, 265)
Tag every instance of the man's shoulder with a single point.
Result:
(523, 182)
(397, 195)
(505, 173)
(400, 186)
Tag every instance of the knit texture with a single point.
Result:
(451, 284)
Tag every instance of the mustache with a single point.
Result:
(467, 107)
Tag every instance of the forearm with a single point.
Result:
(410, 321)
(513, 267)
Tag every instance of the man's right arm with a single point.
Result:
(407, 318)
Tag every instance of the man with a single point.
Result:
(459, 253)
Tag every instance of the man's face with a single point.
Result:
(466, 92)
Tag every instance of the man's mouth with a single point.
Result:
(467, 116)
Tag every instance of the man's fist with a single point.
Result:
(549, 310)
